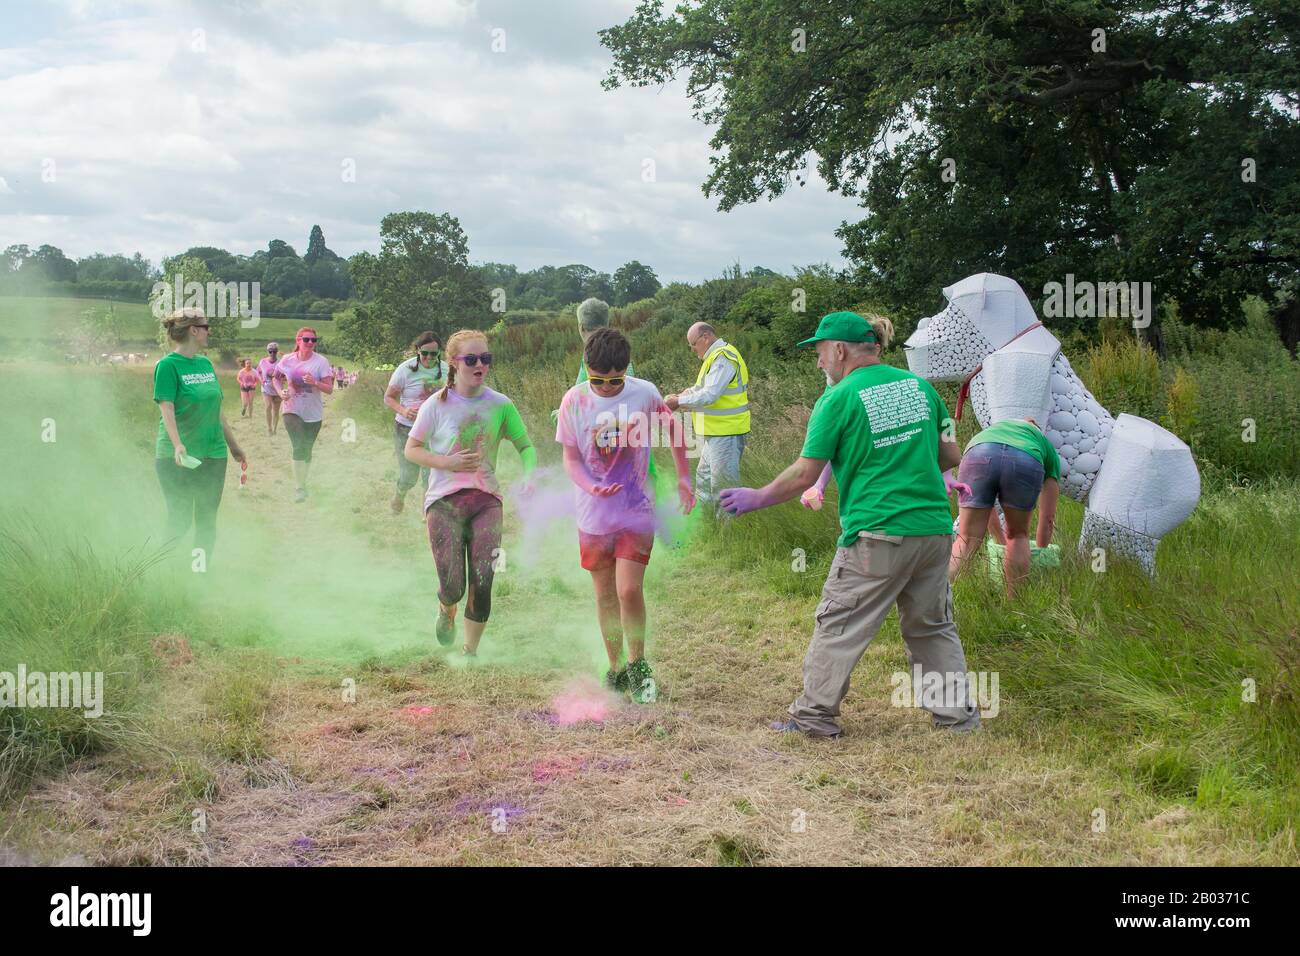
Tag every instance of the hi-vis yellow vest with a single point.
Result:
(729, 415)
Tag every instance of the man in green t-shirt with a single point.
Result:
(887, 436)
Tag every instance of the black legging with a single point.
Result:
(302, 435)
(465, 530)
(193, 496)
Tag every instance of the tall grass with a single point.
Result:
(67, 609)
(1233, 396)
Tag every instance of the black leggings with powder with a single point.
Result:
(465, 533)
(302, 435)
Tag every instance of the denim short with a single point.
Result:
(1000, 472)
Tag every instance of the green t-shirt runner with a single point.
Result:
(191, 384)
(879, 427)
(1023, 435)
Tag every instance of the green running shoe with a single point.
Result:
(641, 682)
(445, 629)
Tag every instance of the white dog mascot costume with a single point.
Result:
(1137, 480)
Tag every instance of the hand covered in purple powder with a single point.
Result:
(739, 501)
(951, 484)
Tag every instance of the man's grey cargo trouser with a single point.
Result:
(866, 579)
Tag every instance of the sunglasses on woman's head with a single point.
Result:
(472, 360)
(605, 381)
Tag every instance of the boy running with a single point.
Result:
(606, 425)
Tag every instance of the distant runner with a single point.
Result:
(266, 370)
(247, 379)
(411, 383)
(301, 378)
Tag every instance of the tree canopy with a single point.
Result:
(1121, 140)
(420, 280)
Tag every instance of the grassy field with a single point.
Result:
(1123, 736)
(32, 324)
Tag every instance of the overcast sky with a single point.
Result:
(165, 124)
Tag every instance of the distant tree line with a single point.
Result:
(316, 283)
(553, 287)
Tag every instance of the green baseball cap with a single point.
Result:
(842, 327)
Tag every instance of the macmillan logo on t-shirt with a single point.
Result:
(894, 405)
(198, 378)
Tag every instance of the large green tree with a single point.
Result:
(198, 287)
(633, 281)
(419, 280)
(1122, 140)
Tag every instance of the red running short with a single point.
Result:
(599, 551)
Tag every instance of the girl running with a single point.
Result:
(413, 381)
(301, 378)
(247, 379)
(456, 436)
(193, 434)
(270, 397)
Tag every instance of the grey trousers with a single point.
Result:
(718, 468)
(867, 579)
(406, 470)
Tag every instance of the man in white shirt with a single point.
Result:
(719, 404)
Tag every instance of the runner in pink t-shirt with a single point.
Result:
(301, 378)
(247, 379)
(607, 426)
(270, 397)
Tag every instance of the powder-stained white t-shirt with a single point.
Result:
(614, 436)
(304, 400)
(416, 384)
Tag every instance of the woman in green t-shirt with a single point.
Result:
(193, 434)
(1009, 463)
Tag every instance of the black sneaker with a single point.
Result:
(616, 680)
(445, 629)
(641, 682)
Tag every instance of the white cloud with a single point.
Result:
(159, 147)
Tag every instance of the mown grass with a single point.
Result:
(33, 324)
(1187, 686)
